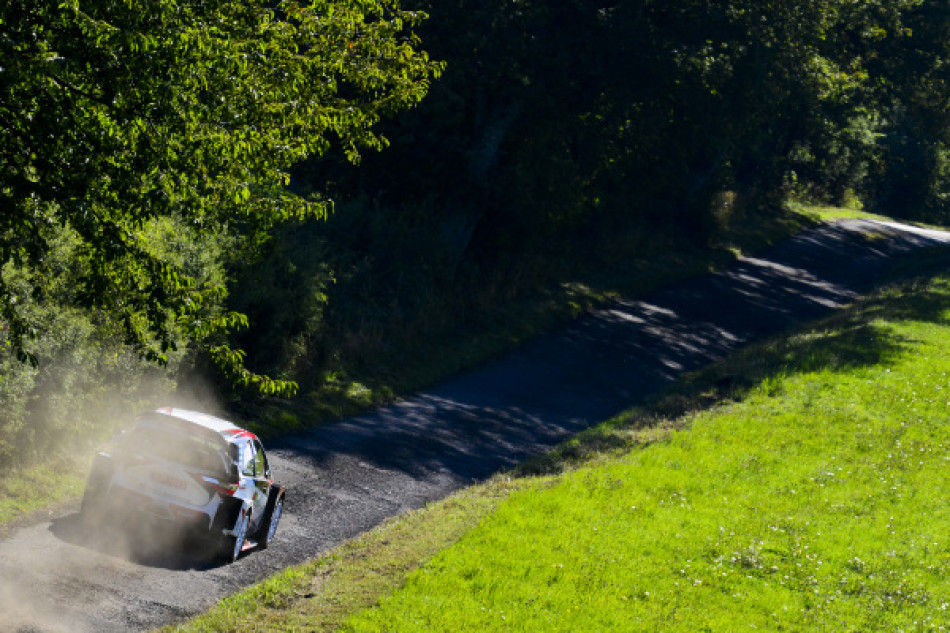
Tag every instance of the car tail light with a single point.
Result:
(224, 488)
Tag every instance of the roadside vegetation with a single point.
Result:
(794, 486)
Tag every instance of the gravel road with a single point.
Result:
(345, 478)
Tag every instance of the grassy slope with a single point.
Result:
(33, 491)
(808, 496)
(817, 502)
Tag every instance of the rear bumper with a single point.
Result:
(131, 506)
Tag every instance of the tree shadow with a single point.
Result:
(846, 340)
(621, 356)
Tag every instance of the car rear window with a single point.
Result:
(197, 452)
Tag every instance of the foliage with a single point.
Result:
(115, 116)
(911, 179)
(284, 294)
(554, 117)
(86, 380)
(562, 138)
(569, 136)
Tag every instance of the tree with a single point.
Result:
(912, 177)
(552, 116)
(117, 115)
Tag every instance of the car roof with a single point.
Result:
(228, 430)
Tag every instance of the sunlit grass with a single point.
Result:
(28, 490)
(825, 213)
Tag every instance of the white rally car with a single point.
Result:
(183, 469)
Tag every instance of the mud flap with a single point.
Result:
(232, 539)
(243, 509)
(276, 494)
(226, 517)
(97, 485)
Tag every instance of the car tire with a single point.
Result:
(231, 545)
(272, 513)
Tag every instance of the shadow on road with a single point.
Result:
(850, 339)
(135, 542)
(615, 357)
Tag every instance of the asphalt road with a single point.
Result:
(344, 478)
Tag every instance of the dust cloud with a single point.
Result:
(68, 574)
(86, 576)
(21, 615)
(31, 577)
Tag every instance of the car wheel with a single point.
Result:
(232, 545)
(275, 508)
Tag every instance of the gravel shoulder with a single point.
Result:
(344, 478)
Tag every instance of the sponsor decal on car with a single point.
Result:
(168, 480)
(241, 433)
